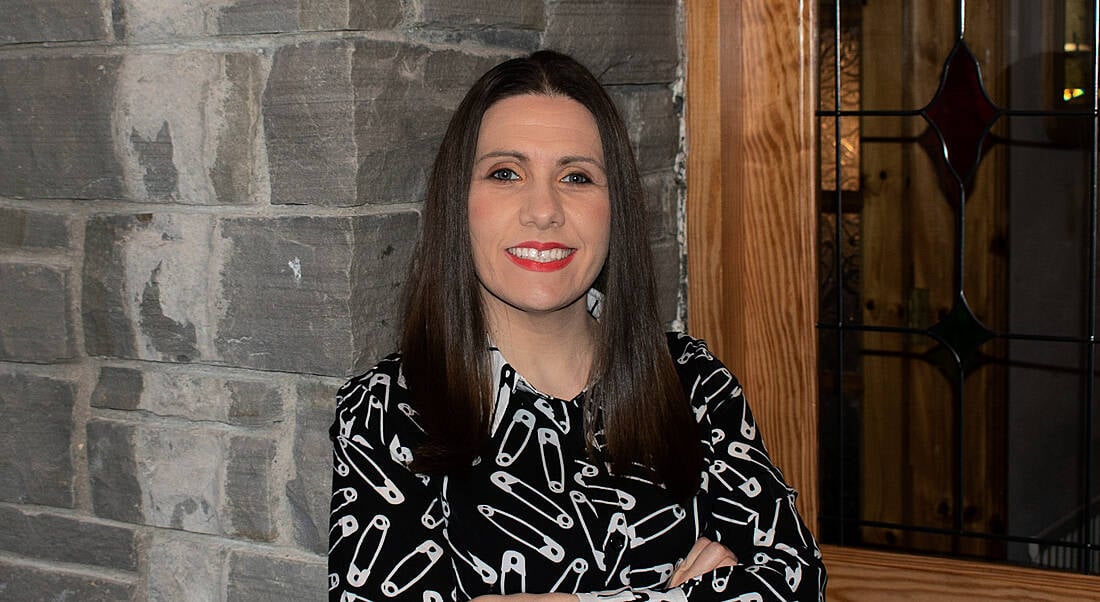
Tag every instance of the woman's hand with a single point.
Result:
(527, 598)
(704, 557)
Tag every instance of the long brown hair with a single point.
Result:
(634, 395)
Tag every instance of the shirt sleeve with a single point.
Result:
(385, 538)
(745, 503)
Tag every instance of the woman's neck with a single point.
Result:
(553, 351)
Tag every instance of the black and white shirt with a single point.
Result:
(535, 514)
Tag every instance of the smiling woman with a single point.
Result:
(539, 436)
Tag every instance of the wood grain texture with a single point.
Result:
(857, 575)
(752, 281)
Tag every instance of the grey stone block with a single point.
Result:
(52, 21)
(21, 582)
(118, 388)
(187, 395)
(666, 266)
(253, 403)
(66, 539)
(189, 477)
(36, 418)
(181, 568)
(33, 230)
(154, 20)
(352, 122)
(178, 471)
(112, 470)
(621, 41)
(662, 198)
(311, 295)
(55, 122)
(309, 115)
(524, 14)
(34, 303)
(653, 122)
(310, 490)
(269, 579)
(248, 494)
(189, 126)
(296, 294)
(146, 286)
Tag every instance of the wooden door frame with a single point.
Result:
(752, 273)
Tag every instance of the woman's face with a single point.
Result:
(540, 216)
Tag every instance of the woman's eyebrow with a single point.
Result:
(510, 154)
(566, 160)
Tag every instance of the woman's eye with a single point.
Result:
(504, 174)
(576, 178)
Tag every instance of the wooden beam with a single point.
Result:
(751, 214)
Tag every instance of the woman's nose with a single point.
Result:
(542, 207)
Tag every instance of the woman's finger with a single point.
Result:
(682, 568)
(705, 556)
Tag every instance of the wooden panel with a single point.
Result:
(752, 281)
(857, 575)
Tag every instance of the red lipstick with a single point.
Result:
(538, 256)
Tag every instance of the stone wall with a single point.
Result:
(206, 210)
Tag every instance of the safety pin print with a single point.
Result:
(647, 578)
(617, 536)
(516, 437)
(377, 479)
(578, 499)
(411, 568)
(523, 532)
(656, 524)
(433, 515)
(349, 495)
(610, 495)
(560, 418)
(411, 414)
(572, 574)
(553, 467)
(750, 486)
(372, 538)
(526, 494)
(347, 524)
(513, 573)
(487, 574)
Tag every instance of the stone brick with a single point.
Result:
(297, 294)
(666, 266)
(313, 295)
(524, 14)
(21, 582)
(112, 470)
(146, 286)
(184, 569)
(52, 21)
(662, 198)
(65, 539)
(36, 419)
(269, 579)
(352, 122)
(150, 20)
(186, 477)
(33, 230)
(621, 41)
(187, 125)
(652, 121)
(178, 471)
(34, 303)
(248, 494)
(192, 396)
(55, 122)
(309, 491)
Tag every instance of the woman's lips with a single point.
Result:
(540, 256)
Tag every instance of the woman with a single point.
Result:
(539, 436)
